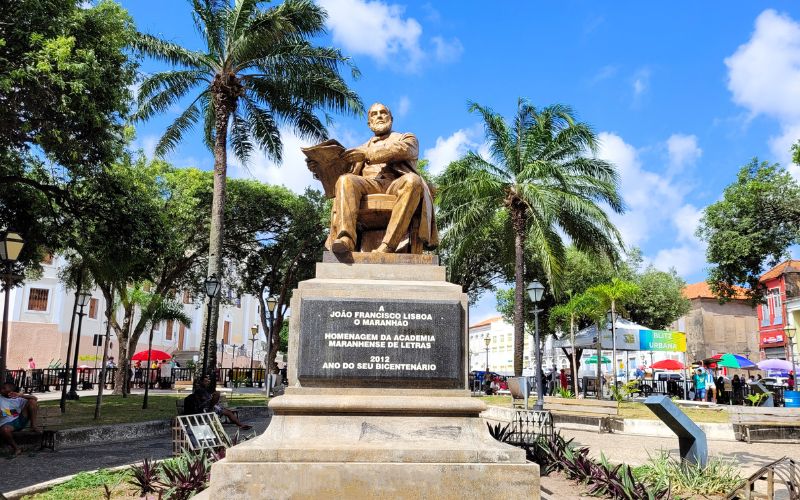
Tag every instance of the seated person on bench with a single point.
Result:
(16, 411)
(202, 401)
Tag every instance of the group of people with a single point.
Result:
(160, 373)
(551, 382)
(714, 389)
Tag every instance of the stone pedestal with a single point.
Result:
(377, 405)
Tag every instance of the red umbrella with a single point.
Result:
(155, 355)
(668, 364)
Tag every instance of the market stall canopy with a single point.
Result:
(155, 355)
(630, 337)
(668, 364)
(593, 359)
(735, 361)
(775, 364)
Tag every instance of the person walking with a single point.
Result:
(699, 385)
(711, 385)
(562, 377)
(790, 381)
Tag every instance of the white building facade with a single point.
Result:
(40, 313)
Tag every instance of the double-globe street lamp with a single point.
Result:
(272, 302)
(487, 340)
(212, 286)
(10, 247)
(83, 300)
(536, 292)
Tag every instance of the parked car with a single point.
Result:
(775, 381)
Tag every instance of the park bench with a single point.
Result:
(47, 418)
(223, 400)
(183, 385)
(750, 419)
(603, 411)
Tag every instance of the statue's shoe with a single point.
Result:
(343, 245)
(384, 248)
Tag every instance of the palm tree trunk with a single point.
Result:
(519, 291)
(222, 113)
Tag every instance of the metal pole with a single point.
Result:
(599, 386)
(269, 354)
(73, 386)
(685, 376)
(103, 369)
(147, 370)
(252, 353)
(4, 340)
(539, 389)
(487, 363)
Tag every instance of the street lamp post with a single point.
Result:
(272, 302)
(253, 338)
(790, 332)
(487, 340)
(83, 299)
(536, 292)
(10, 247)
(212, 286)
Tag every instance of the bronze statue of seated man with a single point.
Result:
(386, 164)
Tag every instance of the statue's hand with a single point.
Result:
(354, 155)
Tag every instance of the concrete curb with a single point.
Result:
(83, 436)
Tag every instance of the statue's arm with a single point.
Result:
(406, 148)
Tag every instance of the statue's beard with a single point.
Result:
(381, 128)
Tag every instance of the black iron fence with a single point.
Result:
(51, 379)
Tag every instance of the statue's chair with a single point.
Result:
(373, 217)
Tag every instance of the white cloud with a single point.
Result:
(292, 173)
(764, 77)
(402, 106)
(683, 150)
(641, 82)
(448, 149)
(447, 50)
(656, 209)
(383, 32)
(375, 29)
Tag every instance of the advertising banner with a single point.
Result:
(662, 340)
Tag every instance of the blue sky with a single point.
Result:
(682, 94)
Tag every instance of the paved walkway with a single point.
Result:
(36, 467)
(54, 395)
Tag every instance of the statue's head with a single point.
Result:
(379, 119)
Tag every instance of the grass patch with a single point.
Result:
(92, 485)
(638, 410)
(119, 410)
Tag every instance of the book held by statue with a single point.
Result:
(329, 164)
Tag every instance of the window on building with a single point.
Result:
(93, 308)
(168, 333)
(226, 332)
(777, 306)
(187, 297)
(37, 299)
(765, 314)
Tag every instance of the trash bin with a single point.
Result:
(791, 399)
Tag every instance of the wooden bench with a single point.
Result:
(183, 385)
(603, 411)
(47, 418)
(755, 417)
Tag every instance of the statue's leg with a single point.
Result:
(350, 189)
(408, 189)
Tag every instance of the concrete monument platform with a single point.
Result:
(377, 405)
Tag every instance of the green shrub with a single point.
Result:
(683, 478)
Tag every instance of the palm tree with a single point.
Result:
(583, 306)
(160, 309)
(610, 295)
(258, 71)
(540, 175)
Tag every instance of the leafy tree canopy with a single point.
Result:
(751, 228)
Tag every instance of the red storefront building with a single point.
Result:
(781, 283)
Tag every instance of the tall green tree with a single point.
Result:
(660, 300)
(613, 296)
(259, 70)
(583, 306)
(751, 229)
(539, 174)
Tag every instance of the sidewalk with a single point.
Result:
(36, 467)
(56, 395)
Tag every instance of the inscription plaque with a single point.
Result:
(381, 343)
